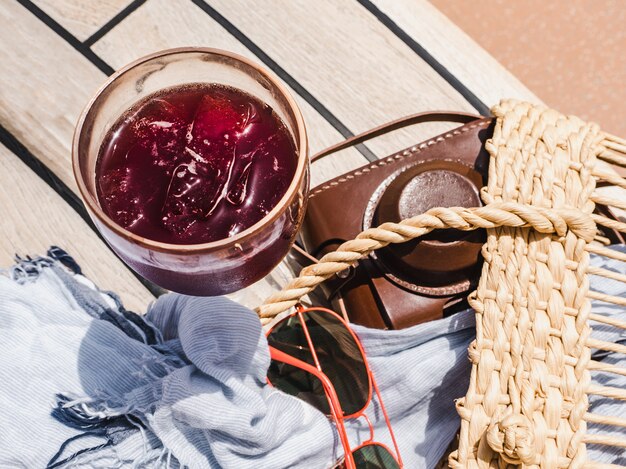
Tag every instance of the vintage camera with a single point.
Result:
(409, 283)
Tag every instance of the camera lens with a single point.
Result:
(443, 257)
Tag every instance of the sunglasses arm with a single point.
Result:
(335, 406)
(382, 406)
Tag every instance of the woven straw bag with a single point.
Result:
(532, 371)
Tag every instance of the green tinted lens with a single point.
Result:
(299, 383)
(340, 359)
(374, 456)
(339, 356)
(288, 336)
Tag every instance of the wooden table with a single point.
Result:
(351, 65)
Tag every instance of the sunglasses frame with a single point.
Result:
(336, 411)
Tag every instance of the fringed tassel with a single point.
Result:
(27, 269)
(64, 258)
(67, 463)
(86, 413)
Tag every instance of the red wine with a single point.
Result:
(194, 164)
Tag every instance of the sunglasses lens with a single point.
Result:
(374, 456)
(339, 357)
(292, 380)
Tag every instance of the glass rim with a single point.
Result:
(283, 203)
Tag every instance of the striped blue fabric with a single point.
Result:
(84, 383)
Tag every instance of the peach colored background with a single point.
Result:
(570, 53)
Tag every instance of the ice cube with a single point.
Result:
(117, 199)
(193, 189)
(249, 117)
(160, 126)
(239, 188)
(216, 119)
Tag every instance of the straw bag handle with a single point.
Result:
(490, 216)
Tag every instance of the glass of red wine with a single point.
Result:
(193, 164)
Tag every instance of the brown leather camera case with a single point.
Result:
(413, 282)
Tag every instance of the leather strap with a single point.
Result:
(412, 119)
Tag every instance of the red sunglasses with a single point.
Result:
(318, 358)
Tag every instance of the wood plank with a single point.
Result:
(81, 18)
(38, 218)
(162, 24)
(44, 85)
(455, 50)
(351, 62)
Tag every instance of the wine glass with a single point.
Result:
(211, 268)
